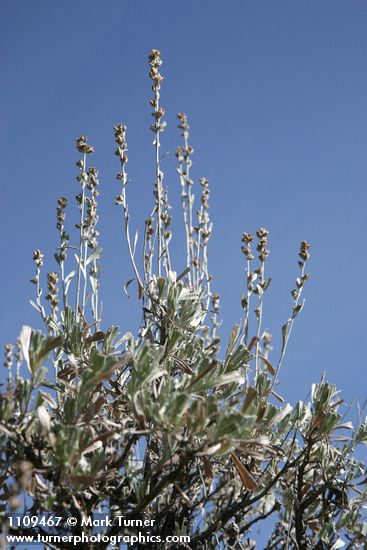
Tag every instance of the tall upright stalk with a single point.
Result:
(184, 162)
(120, 138)
(157, 127)
(62, 203)
(84, 148)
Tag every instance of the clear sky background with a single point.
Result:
(276, 95)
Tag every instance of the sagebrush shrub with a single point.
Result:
(170, 424)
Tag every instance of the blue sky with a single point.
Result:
(276, 97)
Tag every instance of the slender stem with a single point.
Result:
(95, 307)
(39, 293)
(288, 329)
(82, 170)
(184, 204)
(259, 319)
(248, 298)
(199, 273)
(131, 254)
(190, 202)
(159, 195)
(85, 267)
(62, 265)
(120, 137)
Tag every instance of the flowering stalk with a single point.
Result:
(215, 301)
(120, 138)
(247, 238)
(260, 288)
(204, 231)
(157, 127)
(296, 293)
(62, 203)
(93, 241)
(184, 163)
(52, 296)
(85, 149)
(38, 261)
(9, 359)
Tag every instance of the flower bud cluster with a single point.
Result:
(120, 151)
(296, 292)
(8, 362)
(52, 281)
(120, 138)
(83, 146)
(62, 204)
(266, 343)
(60, 211)
(204, 230)
(214, 317)
(155, 61)
(247, 238)
(205, 194)
(215, 299)
(149, 228)
(90, 233)
(183, 124)
(38, 258)
(304, 251)
(262, 235)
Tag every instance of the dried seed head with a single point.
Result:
(38, 257)
(93, 178)
(120, 138)
(62, 202)
(183, 123)
(215, 302)
(304, 251)
(120, 130)
(8, 363)
(53, 277)
(266, 340)
(80, 164)
(158, 113)
(155, 58)
(155, 61)
(119, 200)
(83, 146)
(52, 280)
(244, 302)
(247, 238)
(262, 235)
(19, 353)
(205, 193)
(149, 227)
(246, 250)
